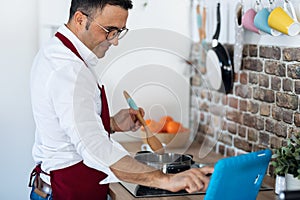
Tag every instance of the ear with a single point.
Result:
(79, 19)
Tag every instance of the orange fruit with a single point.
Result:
(173, 127)
(163, 121)
(153, 125)
(149, 121)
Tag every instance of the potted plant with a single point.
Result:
(286, 161)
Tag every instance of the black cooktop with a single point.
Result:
(140, 191)
(143, 191)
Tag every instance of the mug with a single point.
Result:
(281, 21)
(248, 20)
(261, 22)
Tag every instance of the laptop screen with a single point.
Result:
(239, 177)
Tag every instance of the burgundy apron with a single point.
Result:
(79, 182)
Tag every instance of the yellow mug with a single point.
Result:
(281, 21)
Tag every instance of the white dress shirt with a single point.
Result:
(66, 108)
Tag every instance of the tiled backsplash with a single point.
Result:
(262, 109)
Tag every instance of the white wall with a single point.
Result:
(150, 59)
(52, 13)
(18, 39)
(171, 15)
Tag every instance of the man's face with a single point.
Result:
(111, 18)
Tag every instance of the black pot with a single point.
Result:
(169, 163)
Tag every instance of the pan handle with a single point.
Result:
(217, 33)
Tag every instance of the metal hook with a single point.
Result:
(258, 5)
(271, 4)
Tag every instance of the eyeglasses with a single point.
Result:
(112, 32)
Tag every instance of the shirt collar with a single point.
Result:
(88, 56)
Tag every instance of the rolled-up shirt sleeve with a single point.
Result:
(72, 91)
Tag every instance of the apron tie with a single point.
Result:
(36, 172)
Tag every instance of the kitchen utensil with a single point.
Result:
(203, 29)
(239, 37)
(213, 70)
(201, 18)
(153, 142)
(199, 21)
(167, 162)
(218, 60)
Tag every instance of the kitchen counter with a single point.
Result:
(118, 192)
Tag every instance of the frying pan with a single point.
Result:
(218, 62)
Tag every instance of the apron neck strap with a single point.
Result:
(105, 111)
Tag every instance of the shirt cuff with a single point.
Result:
(111, 178)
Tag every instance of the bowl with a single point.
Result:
(171, 140)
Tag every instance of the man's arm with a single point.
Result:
(130, 170)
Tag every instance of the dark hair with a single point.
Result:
(89, 6)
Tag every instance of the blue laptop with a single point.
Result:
(239, 177)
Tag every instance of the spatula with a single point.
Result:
(153, 142)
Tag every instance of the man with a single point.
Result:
(72, 141)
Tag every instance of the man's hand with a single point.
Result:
(126, 120)
(192, 180)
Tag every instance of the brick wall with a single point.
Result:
(262, 109)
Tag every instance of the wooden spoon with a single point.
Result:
(152, 140)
